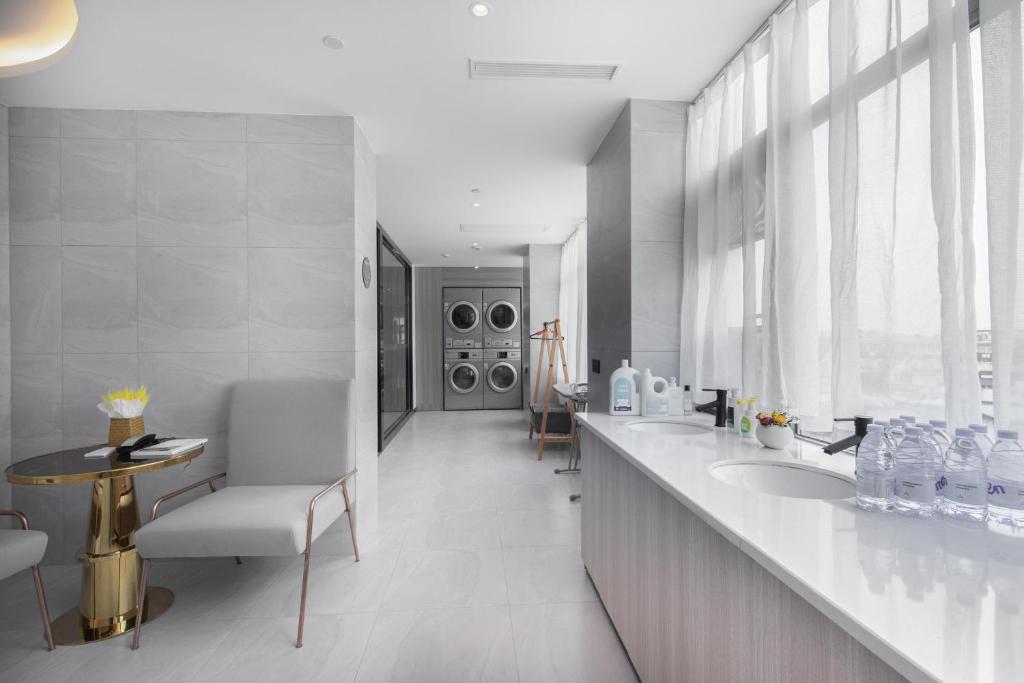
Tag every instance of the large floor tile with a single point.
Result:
(547, 495)
(453, 531)
(546, 575)
(447, 578)
(441, 646)
(337, 585)
(568, 643)
(264, 649)
(540, 527)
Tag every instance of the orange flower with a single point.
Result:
(779, 419)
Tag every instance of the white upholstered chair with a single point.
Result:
(23, 549)
(291, 452)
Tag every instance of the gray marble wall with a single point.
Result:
(543, 261)
(634, 252)
(184, 251)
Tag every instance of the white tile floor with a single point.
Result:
(475, 575)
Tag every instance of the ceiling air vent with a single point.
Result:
(492, 68)
(500, 228)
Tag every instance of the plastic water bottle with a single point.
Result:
(909, 419)
(897, 430)
(1006, 483)
(963, 483)
(985, 442)
(940, 434)
(875, 481)
(928, 436)
(915, 469)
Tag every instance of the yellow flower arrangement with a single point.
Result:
(124, 402)
(776, 418)
(140, 394)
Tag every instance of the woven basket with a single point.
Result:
(123, 427)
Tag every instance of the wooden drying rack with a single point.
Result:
(550, 339)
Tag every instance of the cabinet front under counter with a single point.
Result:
(689, 604)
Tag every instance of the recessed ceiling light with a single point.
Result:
(476, 267)
(476, 205)
(333, 41)
(479, 9)
(476, 246)
(475, 190)
(445, 255)
(34, 35)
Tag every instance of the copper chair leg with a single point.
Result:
(44, 609)
(302, 600)
(351, 524)
(140, 604)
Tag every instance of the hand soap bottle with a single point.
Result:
(624, 394)
(675, 398)
(653, 395)
(748, 417)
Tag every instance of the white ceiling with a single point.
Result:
(403, 74)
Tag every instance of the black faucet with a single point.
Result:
(860, 430)
(716, 407)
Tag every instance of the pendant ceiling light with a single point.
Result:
(34, 33)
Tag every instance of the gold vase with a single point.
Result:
(122, 428)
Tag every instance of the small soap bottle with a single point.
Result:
(687, 400)
(675, 398)
(748, 420)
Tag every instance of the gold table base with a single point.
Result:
(110, 570)
(71, 628)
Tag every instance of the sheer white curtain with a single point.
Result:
(1003, 75)
(572, 302)
(791, 327)
(830, 172)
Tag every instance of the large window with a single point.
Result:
(836, 221)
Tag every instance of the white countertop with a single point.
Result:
(935, 599)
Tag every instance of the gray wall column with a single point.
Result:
(634, 253)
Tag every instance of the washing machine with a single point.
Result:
(502, 377)
(463, 379)
(463, 318)
(502, 320)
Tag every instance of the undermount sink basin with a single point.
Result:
(793, 480)
(668, 427)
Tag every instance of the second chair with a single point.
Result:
(291, 452)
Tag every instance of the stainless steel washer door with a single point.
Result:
(463, 378)
(502, 316)
(502, 377)
(463, 316)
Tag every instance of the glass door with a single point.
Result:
(394, 345)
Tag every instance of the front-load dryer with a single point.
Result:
(463, 379)
(502, 318)
(502, 377)
(463, 318)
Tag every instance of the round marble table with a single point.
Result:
(110, 563)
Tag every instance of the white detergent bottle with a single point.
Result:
(653, 395)
(675, 398)
(624, 394)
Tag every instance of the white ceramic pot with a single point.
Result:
(774, 436)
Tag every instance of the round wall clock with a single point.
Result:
(367, 273)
